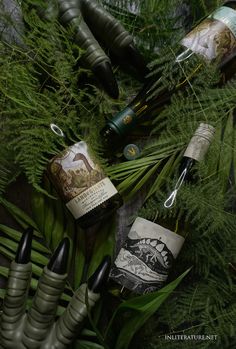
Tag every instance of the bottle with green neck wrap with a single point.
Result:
(213, 40)
(143, 263)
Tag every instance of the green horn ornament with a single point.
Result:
(88, 20)
(37, 328)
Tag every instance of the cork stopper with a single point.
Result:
(200, 142)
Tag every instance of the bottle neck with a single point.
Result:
(186, 169)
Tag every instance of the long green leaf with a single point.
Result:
(88, 333)
(226, 153)
(142, 307)
(4, 271)
(7, 245)
(36, 270)
(7, 253)
(143, 180)
(35, 256)
(161, 177)
(2, 293)
(20, 216)
(49, 217)
(16, 235)
(213, 161)
(129, 181)
(38, 202)
(79, 256)
(104, 244)
(82, 344)
(58, 226)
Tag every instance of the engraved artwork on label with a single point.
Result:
(74, 172)
(142, 264)
(212, 39)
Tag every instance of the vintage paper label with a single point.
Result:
(143, 263)
(214, 37)
(80, 180)
(91, 198)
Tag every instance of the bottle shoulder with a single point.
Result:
(186, 165)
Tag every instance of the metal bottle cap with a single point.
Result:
(131, 151)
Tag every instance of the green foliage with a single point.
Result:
(43, 244)
(8, 245)
(45, 83)
(205, 304)
(140, 309)
(42, 83)
(134, 174)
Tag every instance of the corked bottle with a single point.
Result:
(84, 187)
(214, 40)
(143, 263)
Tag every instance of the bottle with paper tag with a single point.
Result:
(212, 40)
(86, 190)
(144, 261)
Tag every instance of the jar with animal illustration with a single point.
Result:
(84, 187)
(143, 263)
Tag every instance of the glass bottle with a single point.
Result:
(79, 180)
(195, 152)
(143, 263)
(214, 39)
